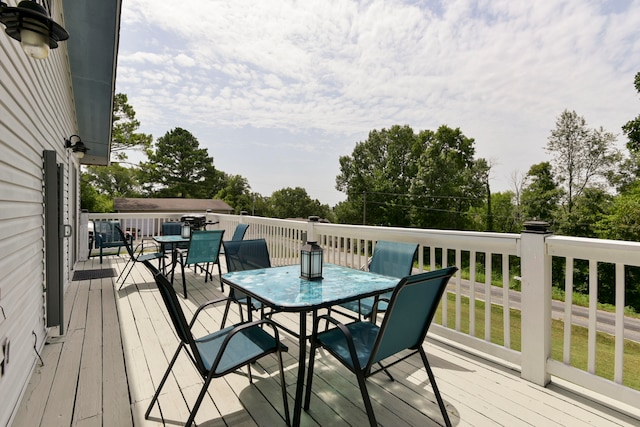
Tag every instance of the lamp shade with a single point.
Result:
(311, 261)
(78, 147)
(31, 25)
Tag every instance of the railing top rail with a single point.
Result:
(613, 251)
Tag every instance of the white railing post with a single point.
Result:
(536, 302)
(83, 236)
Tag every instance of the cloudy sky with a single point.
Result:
(278, 90)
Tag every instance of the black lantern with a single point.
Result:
(186, 230)
(311, 255)
(78, 147)
(311, 261)
(31, 24)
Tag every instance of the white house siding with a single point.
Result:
(36, 114)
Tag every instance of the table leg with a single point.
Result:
(174, 261)
(302, 354)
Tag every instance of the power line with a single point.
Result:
(432, 196)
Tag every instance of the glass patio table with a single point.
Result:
(282, 289)
(171, 240)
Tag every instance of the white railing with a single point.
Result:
(526, 257)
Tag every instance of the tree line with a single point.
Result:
(176, 166)
(400, 177)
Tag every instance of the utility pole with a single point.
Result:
(364, 208)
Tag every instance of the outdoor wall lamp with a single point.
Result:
(31, 24)
(79, 148)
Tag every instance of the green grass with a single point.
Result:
(557, 294)
(605, 343)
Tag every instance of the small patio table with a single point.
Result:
(171, 241)
(282, 289)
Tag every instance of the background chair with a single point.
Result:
(391, 259)
(238, 234)
(135, 255)
(204, 249)
(106, 236)
(243, 255)
(221, 352)
(362, 344)
(173, 229)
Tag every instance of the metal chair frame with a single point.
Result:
(361, 345)
(249, 341)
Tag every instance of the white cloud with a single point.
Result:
(331, 71)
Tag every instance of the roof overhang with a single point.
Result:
(94, 29)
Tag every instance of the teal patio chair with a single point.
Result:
(136, 254)
(238, 234)
(243, 255)
(391, 259)
(204, 249)
(106, 236)
(362, 344)
(218, 353)
(173, 229)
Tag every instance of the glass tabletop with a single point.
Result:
(171, 238)
(283, 288)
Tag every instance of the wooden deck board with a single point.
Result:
(116, 410)
(118, 343)
(89, 394)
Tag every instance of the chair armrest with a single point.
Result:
(239, 328)
(328, 318)
(151, 242)
(205, 305)
(347, 335)
(377, 301)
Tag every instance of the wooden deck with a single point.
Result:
(117, 345)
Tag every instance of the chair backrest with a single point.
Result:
(204, 246)
(410, 312)
(239, 232)
(173, 229)
(243, 255)
(127, 243)
(106, 230)
(176, 314)
(393, 258)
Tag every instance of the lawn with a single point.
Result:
(605, 343)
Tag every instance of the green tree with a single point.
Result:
(582, 156)
(296, 203)
(114, 180)
(588, 210)
(90, 199)
(632, 128)
(377, 176)
(505, 214)
(540, 194)
(630, 168)
(180, 168)
(448, 181)
(623, 220)
(347, 212)
(237, 193)
(260, 206)
(124, 132)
